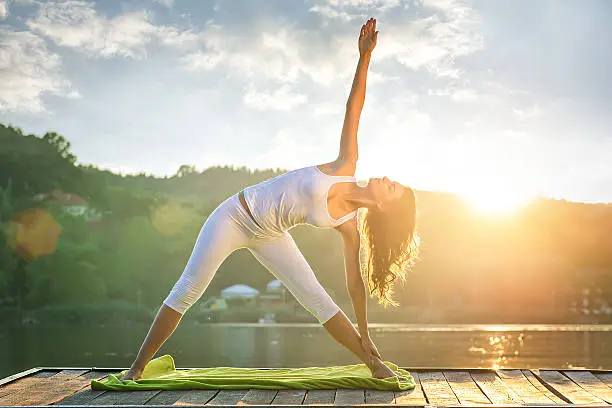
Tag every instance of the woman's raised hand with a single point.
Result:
(367, 37)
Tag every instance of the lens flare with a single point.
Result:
(33, 233)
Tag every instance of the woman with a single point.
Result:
(326, 196)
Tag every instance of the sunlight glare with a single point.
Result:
(496, 202)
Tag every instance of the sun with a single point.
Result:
(496, 202)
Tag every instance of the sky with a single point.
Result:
(495, 100)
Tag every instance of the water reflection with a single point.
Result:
(254, 345)
(500, 350)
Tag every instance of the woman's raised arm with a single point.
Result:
(354, 105)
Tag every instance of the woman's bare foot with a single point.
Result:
(380, 370)
(132, 375)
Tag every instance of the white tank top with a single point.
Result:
(295, 197)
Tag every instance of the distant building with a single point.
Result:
(71, 204)
(239, 291)
(276, 294)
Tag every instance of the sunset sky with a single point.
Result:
(507, 97)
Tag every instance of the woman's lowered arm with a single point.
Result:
(354, 283)
(354, 104)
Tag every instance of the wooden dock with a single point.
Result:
(43, 386)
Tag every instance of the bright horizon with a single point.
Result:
(496, 101)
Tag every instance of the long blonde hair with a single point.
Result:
(389, 245)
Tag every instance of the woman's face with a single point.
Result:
(384, 190)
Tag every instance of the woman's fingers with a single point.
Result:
(369, 26)
(368, 36)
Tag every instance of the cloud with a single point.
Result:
(28, 71)
(289, 148)
(446, 30)
(202, 60)
(396, 122)
(376, 77)
(270, 54)
(280, 99)
(173, 37)
(3, 10)
(254, 48)
(328, 108)
(76, 24)
(284, 53)
(330, 12)
(464, 95)
(167, 3)
(528, 112)
(352, 9)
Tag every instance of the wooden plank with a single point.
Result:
(605, 378)
(196, 397)
(436, 389)
(25, 382)
(349, 397)
(181, 397)
(289, 397)
(591, 384)
(319, 397)
(18, 397)
(542, 388)
(84, 396)
(165, 397)
(19, 375)
(58, 390)
(566, 387)
(414, 396)
(107, 398)
(494, 388)
(137, 397)
(379, 397)
(465, 388)
(227, 397)
(258, 397)
(81, 398)
(517, 382)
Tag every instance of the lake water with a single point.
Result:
(300, 345)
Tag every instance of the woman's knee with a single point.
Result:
(184, 294)
(327, 313)
(319, 303)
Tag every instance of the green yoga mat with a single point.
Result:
(160, 374)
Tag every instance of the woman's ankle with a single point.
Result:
(373, 362)
(136, 369)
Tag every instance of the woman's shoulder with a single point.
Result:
(338, 167)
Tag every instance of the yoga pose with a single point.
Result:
(325, 196)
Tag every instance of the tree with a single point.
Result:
(185, 170)
(61, 145)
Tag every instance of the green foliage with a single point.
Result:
(124, 265)
(93, 312)
(240, 314)
(37, 165)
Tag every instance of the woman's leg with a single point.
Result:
(281, 256)
(218, 238)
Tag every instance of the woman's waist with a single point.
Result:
(246, 207)
(271, 211)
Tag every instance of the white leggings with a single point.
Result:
(229, 227)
